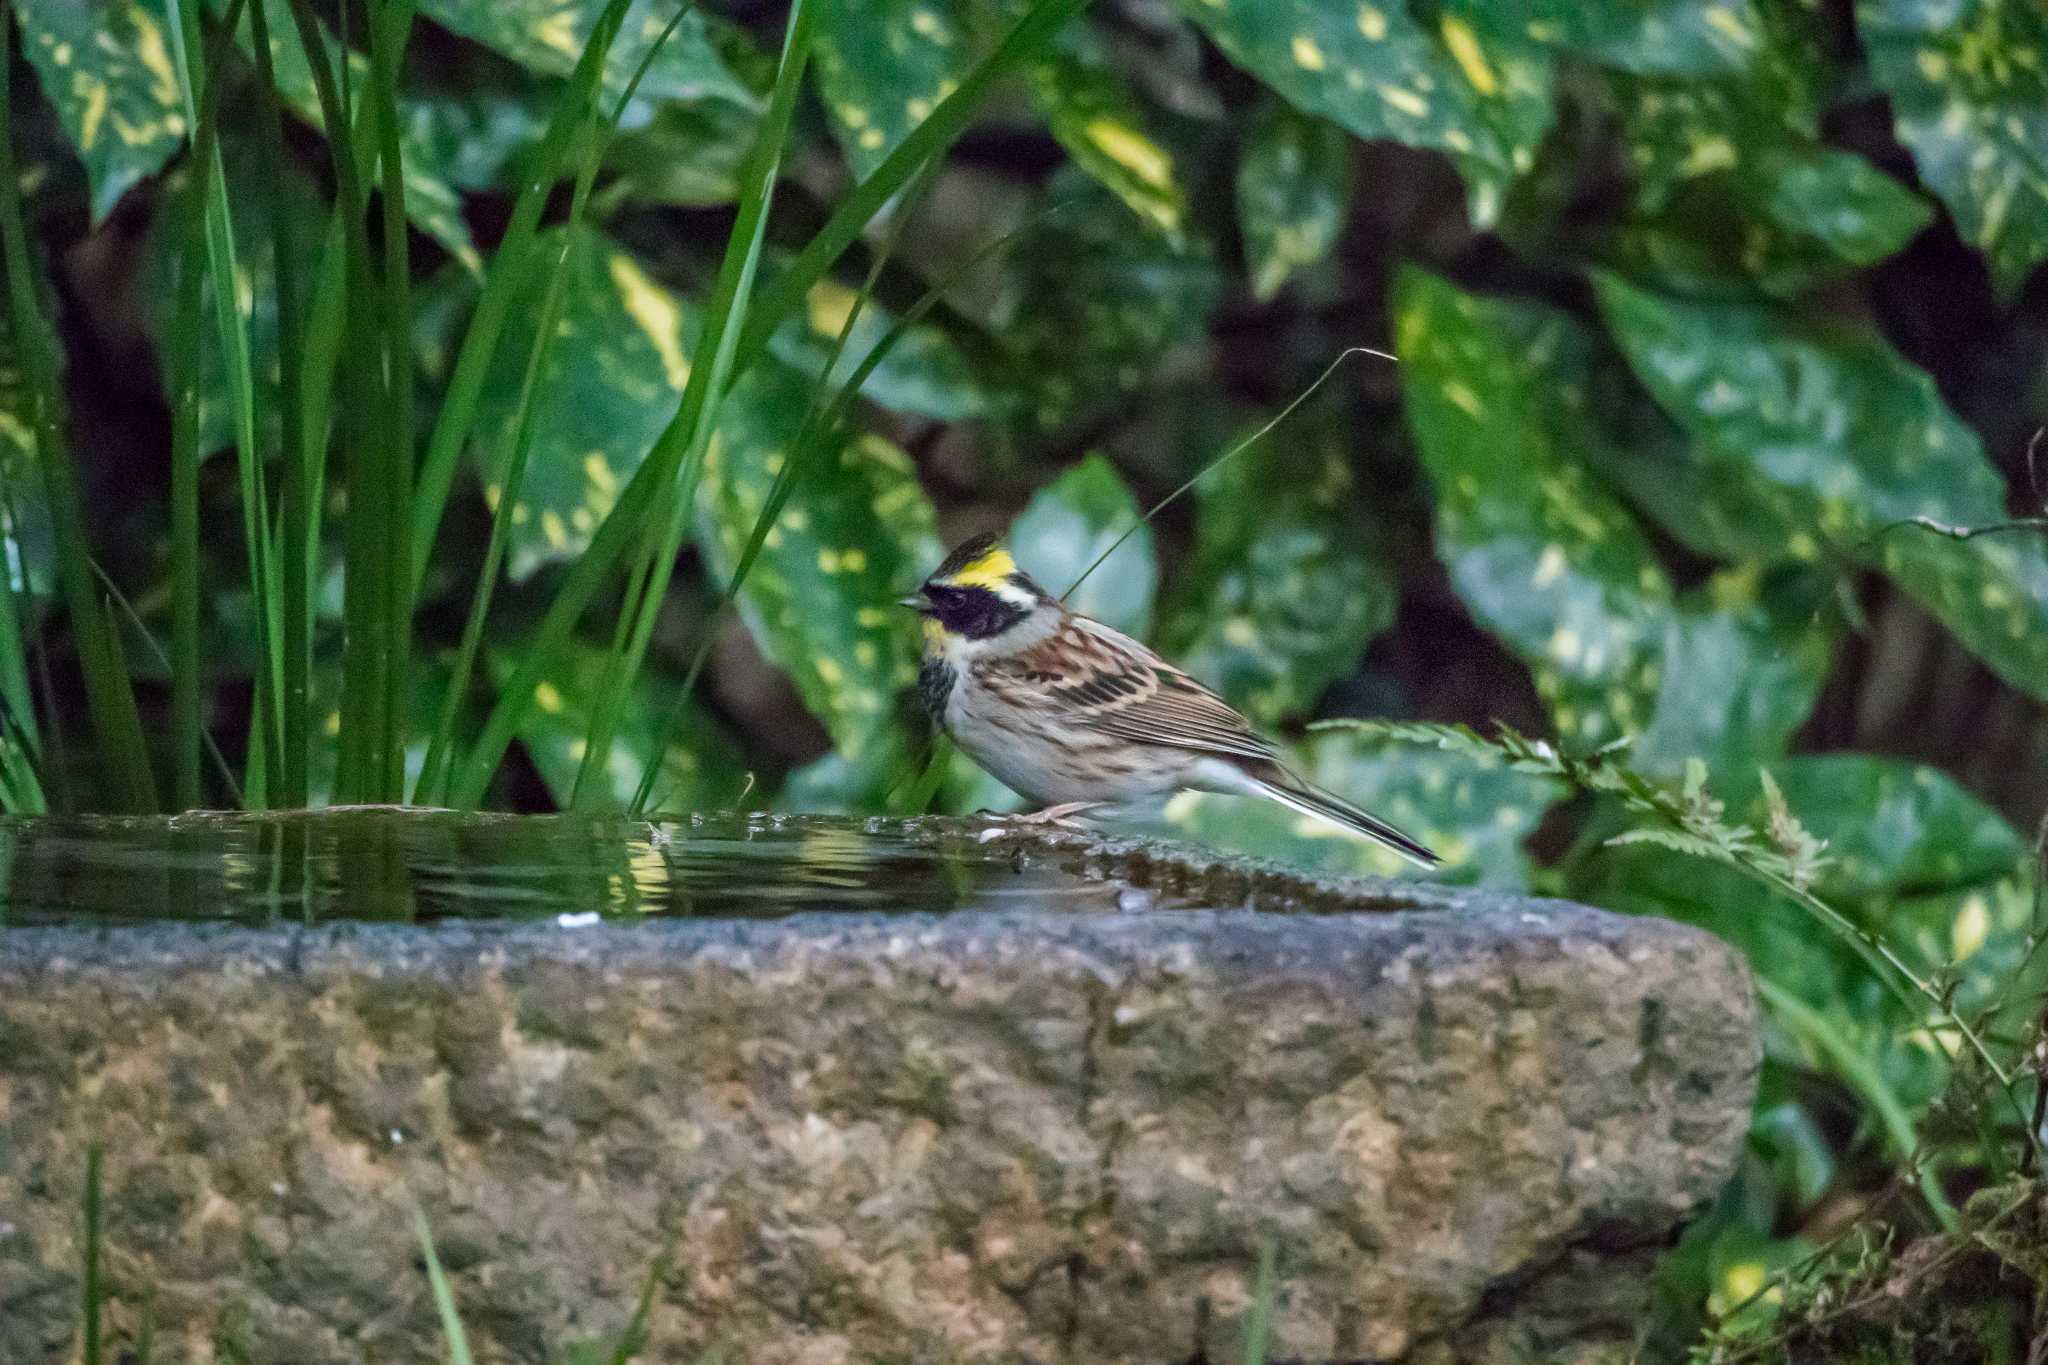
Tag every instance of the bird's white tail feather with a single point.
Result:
(1313, 800)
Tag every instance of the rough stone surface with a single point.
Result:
(982, 1137)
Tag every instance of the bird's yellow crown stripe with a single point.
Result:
(992, 570)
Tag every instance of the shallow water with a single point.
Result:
(419, 866)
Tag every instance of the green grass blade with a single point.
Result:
(363, 692)
(21, 783)
(396, 481)
(636, 1328)
(687, 438)
(505, 280)
(182, 361)
(223, 262)
(444, 1298)
(510, 477)
(110, 697)
(295, 555)
(118, 602)
(1852, 1063)
(92, 1293)
(818, 435)
(924, 143)
(623, 530)
(1258, 1323)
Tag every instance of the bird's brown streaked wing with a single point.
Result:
(1104, 680)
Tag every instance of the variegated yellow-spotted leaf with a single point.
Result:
(1544, 555)
(925, 372)
(548, 36)
(107, 69)
(820, 600)
(1969, 95)
(1505, 401)
(701, 769)
(1098, 303)
(686, 154)
(882, 66)
(1741, 665)
(1377, 69)
(1789, 220)
(1288, 582)
(1471, 809)
(1678, 128)
(610, 387)
(1091, 111)
(1825, 425)
(1293, 186)
(1668, 37)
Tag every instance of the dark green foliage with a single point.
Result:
(556, 397)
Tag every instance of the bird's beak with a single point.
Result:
(916, 602)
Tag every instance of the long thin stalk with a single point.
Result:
(296, 609)
(109, 694)
(923, 143)
(266, 736)
(396, 482)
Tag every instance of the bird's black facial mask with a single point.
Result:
(977, 613)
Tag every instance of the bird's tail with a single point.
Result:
(1298, 794)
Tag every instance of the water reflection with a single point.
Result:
(383, 864)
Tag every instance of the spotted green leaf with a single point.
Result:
(924, 372)
(1470, 808)
(1968, 81)
(687, 154)
(548, 36)
(468, 116)
(610, 387)
(1741, 664)
(881, 67)
(821, 598)
(1672, 37)
(107, 69)
(1892, 826)
(1098, 302)
(701, 769)
(1288, 582)
(1506, 400)
(1293, 187)
(1545, 556)
(1792, 219)
(1072, 520)
(1092, 113)
(1821, 428)
(1382, 72)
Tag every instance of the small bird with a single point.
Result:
(1073, 713)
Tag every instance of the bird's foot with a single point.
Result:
(1059, 817)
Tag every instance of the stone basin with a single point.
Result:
(878, 1091)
